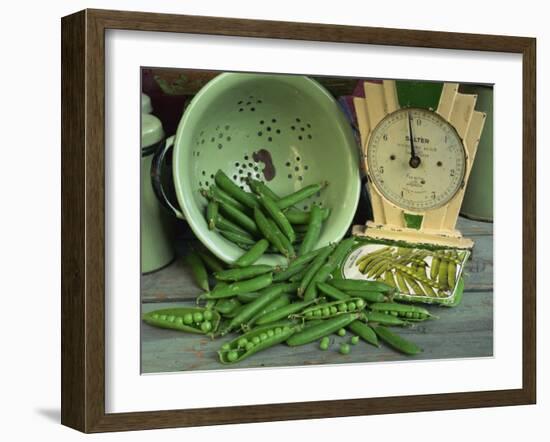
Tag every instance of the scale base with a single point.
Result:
(451, 238)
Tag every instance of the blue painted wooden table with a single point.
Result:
(463, 331)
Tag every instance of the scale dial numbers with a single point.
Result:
(418, 175)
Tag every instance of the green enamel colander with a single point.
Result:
(285, 130)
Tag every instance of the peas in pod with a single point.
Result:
(402, 311)
(187, 319)
(332, 309)
(257, 339)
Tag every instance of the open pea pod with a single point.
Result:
(186, 319)
(328, 310)
(257, 339)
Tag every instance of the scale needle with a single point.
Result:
(414, 162)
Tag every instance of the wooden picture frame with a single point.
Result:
(83, 220)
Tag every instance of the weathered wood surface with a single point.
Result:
(175, 283)
(464, 331)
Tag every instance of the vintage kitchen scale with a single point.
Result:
(417, 159)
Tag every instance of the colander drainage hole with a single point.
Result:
(220, 146)
(261, 121)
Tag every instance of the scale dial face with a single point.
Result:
(416, 159)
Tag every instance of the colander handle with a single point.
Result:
(157, 166)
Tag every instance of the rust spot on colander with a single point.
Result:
(264, 156)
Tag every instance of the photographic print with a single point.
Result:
(295, 220)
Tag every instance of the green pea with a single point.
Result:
(360, 303)
(415, 315)
(206, 326)
(232, 356)
(278, 330)
(342, 332)
(256, 339)
(326, 311)
(171, 318)
(354, 340)
(249, 346)
(352, 306)
(408, 314)
(324, 344)
(242, 342)
(263, 336)
(286, 329)
(162, 317)
(270, 333)
(396, 313)
(333, 310)
(179, 320)
(226, 346)
(345, 348)
(309, 314)
(343, 308)
(318, 312)
(198, 317)
(207, 315)
(188, 318)
(155, 316)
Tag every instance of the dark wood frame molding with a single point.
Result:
(83, 216)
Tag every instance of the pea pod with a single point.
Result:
(224, 224)
(300, 195)
(213, 263)
(296, 216)
(278, 216)
(317, 331)
(334, 261)
(407, 271)
(368, 296)
(187, 319)
(266, 296)
(245, 298)
(225, 183)
(364, 331)
(401, 285)
(443, 274)
(239, 274)
(410, 312)
(451, 274)
(284, 312)
(413, 284)
(361, 285)
(238, 238)
(281, 301)
(288, 273)
(198, 269)
(298, 276)
(384, 319)
(434, 268)
(282, 238)
(218, 194)
(249, 285)
(254, 341)
(253, 254)
(396, 341)
(226, 306)
(331, 309)
(259, 187)
(267, 232)
(313, 231)
(333, 292)
(314, 267)
(239, 217)
(212, 214)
